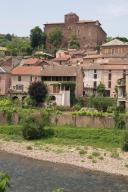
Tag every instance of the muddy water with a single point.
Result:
(28, 175)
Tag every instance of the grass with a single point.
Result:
(11, 132)
(115, 154)
(103, 138)
(66, 135)
(82, 152)
(96, 153)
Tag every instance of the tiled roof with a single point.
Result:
(27, 70)
(79, 22)
(106, 64)
(58, 70)
(6, 63)
(32, 61)
(86, 21)
(61, 59)
(46, 70)
(92, 56)
(114, 42)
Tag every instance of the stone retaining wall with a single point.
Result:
(66, 119)
(83, 121)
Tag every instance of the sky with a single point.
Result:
(20, 16)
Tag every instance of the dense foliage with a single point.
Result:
(38, 91)
(119, 118)
(73, 43)
(37, 38)
(124, 39)
(33, 127)
(5, 102)
(125, 142)
(100, 103)
(15, 45)
(100, 89)
(55, 37)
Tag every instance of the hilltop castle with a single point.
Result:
(89, 33)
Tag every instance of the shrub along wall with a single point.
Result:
(67, 119)
(8, 118)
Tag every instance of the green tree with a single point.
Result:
(100, 89)
(109, 39)
(19, 46)
(37, 38)
(8, 37)
(98, 47)
(55, 37)
(124, 39)
(73, 43)
(38, 92)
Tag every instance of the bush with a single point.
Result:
(125, 142)
(5, 102)
(28, 102)
(77, 107)
(88, 112)
(63, 108)
(79, 104)
(100, 103)
(110, 109)
(33, 127)
(119, 119)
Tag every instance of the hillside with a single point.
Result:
(15, 45)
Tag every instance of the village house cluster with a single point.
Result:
(86, 67)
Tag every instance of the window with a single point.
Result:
(69, 28)
(94, 84)
(95, 70)
(30, 78)
(56, 89)
(95, 76)
(107, 93)
(19, 78)
(48, 78)
(109, 84)
(109, 76)
(19, 87)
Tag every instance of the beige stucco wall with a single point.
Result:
(25, 81)
(103, 76)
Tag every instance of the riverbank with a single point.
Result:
(114, 162)
(30, 175)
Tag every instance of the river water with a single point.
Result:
(28, 175)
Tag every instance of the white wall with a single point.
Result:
(62, 98)
(89, 78)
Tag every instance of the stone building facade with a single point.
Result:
(89, 33)
(107, 67)
(58, 79)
